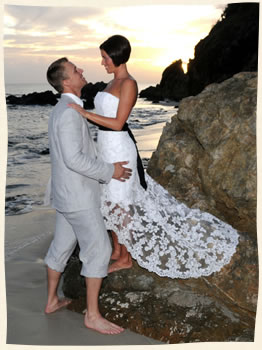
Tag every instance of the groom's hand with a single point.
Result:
(121, 173)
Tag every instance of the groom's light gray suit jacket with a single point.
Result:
(75, 170)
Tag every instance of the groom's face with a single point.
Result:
(75, 80)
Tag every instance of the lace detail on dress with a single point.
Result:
(161, 233)
(167, 237)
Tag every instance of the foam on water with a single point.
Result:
(11, 248)
(28, 164)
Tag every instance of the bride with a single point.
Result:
(146, 222)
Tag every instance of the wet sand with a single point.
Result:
(26, 289)
(147, 139)
(26, 284)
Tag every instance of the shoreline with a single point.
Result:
(26, 291)
(27, 238)
(147, 139)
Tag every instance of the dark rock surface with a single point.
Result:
(230, 47)
(48, 97)
(206, 157)
(220, 307)
(34, 98)
(89, 91)
(152, 93)
(174, 83)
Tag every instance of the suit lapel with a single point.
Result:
(67, 100)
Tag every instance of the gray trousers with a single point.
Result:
(88, 228)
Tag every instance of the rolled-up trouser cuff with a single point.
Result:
(52, 264)
(100, 273)
(88, 228)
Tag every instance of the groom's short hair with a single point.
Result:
(56, 74)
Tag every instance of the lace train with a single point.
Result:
(162, 234)
(167, 237)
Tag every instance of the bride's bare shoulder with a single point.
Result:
(129, 83)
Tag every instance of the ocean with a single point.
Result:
(28, 164)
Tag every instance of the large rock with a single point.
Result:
(34, 98)
(230, 47)
(89, 91)
(206, 156)
(174, 82)
(173, 85)
(48, 97)
(152, 93)
(221, 307)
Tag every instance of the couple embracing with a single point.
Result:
(76, 175)
(98, 189)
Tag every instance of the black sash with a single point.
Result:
(140, 167)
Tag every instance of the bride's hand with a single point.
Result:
(79, 109)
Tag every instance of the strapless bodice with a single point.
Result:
(106, 104)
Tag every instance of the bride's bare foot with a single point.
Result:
(115, 255)
(101, 325)
(56, 305)
(116, 266)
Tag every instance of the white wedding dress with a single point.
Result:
(161, 233)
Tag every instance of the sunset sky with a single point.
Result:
(159, 32)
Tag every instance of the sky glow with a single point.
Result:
(34, 36)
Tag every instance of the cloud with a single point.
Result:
(40, 28)
(158, 34)
(48, 18)
(31, 31)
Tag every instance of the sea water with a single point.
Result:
(28, 161)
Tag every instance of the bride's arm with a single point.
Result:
(128, 96)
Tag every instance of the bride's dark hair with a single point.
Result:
(118, 49)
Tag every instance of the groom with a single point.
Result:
(75, 191)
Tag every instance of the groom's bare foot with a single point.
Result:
(56, 305)
(101, 325)
(116, 266)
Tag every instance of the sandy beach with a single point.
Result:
(26, 290)
(26, 284)
(147, 139)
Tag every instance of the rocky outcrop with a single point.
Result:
(230, 47)
(206, 157)
(152, 93)
(89, 91)
(221, 307)
(174, 83)
(34, 98)
(48, 97)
